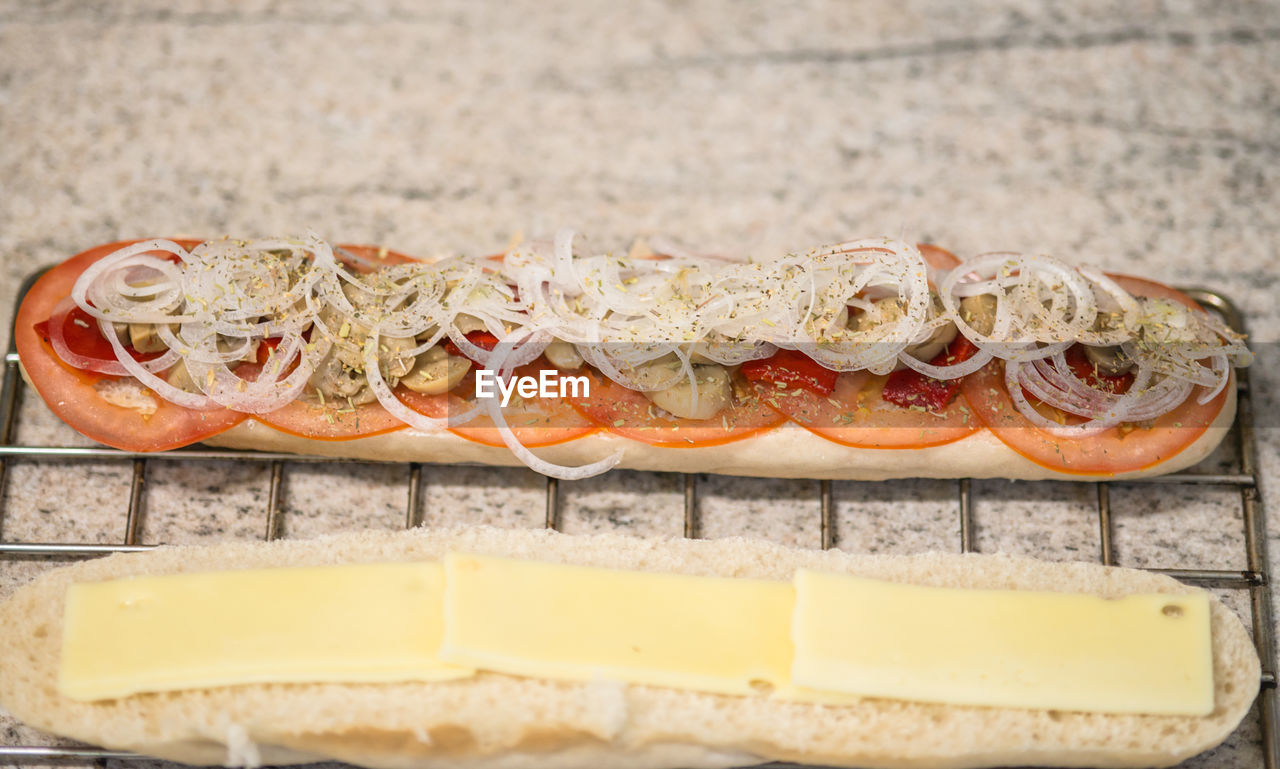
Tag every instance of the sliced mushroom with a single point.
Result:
(979, 312)
(715, 393)
(234, 345)
(829, 325)
(935, 344)
(890, 310)
(657, 374)
(436, 372)
(340, 377)
(394, 360)
(143, 338)
(941, 337)
(563, 355)
(1109, 360)
(697, 356)
(180, 378)
(465, 323)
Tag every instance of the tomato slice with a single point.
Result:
(71, 394)
(630, 414)
(306, 417)
(938, 258)
(534, 421)
(1122, 449)
(365, 259)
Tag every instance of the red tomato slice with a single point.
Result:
(938, 258)
(630, 414)
(856, 414)
(307, 418)
(366, 259)
(434, 406)
(70, 393)
(534, 421)
(1118, 450)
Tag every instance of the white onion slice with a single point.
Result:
(564, 472)
(389, 401)
(58, 340)
(954, 371)
(161, 387)
(1223, 369)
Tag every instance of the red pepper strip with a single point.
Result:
(267, 348)
(791, 368)
(909, 388)
(482, 339)
(81, 333)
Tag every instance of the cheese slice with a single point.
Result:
(1136, 654)
(578, 623)
(354, 623)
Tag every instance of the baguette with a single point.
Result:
(495, 720)
(785, 452)
(677, 364)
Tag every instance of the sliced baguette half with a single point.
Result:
(502, 721)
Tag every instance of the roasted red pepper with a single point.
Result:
(909, 388)
(81, 333)
(266, 349)
(792, 369)
(482, 339)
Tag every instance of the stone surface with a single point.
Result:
(1142, 137)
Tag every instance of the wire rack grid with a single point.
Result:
(1255, 579)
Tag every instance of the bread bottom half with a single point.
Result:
(787, 451)
(501, 721)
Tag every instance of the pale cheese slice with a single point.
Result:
(1137, 654)
(714, 634)
(353, 623)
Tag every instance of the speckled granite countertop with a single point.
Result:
(1145, 140)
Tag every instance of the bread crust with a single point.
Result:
(787, 451)
(502, 721)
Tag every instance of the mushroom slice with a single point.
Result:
(715, 393)
(563, 355)
(436, 372)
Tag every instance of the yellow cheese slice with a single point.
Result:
(355, 623)
(1137, 654)
(572, 622)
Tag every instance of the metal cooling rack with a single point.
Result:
(1255, 579)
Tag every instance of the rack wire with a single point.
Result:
(1255, 578)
